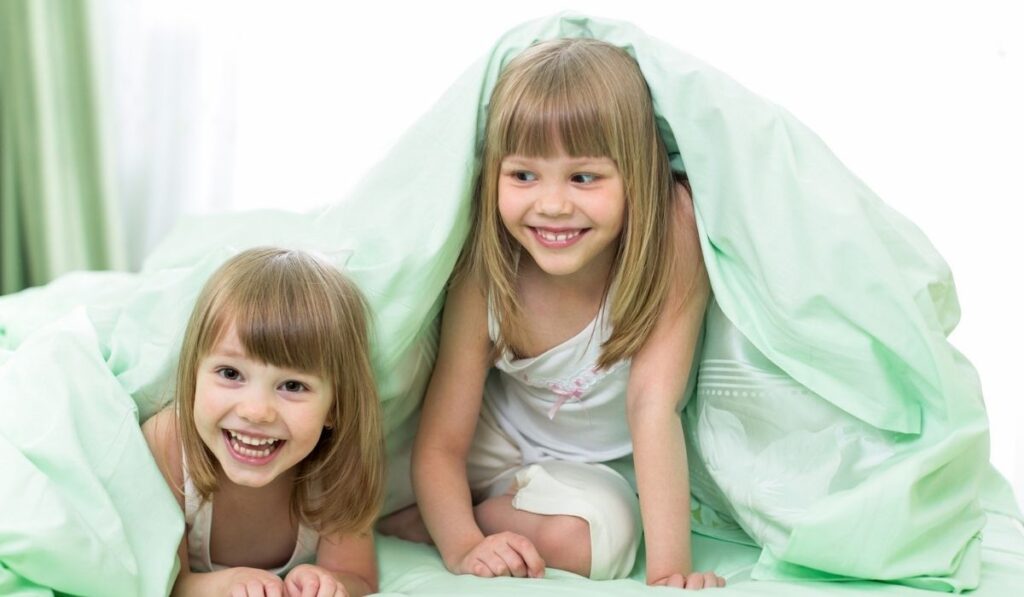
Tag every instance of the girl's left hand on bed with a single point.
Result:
(313, 581)
(693, 581)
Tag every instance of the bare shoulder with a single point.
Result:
(691, 280)
(466, 293)
(659, 370)
(465, 311)
(161, 433)
(684, 222)
(452, 402)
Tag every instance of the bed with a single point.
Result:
(838, 442)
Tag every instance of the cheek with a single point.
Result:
(613, 215)
(306, 437)
(512, 205)
(504, 209)
(205, 407)
(310, 421)
(202, 414)
(619, 213)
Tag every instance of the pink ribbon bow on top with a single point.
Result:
(564, 395)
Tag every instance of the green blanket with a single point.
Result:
(835, 433)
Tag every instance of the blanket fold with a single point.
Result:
(833, 423)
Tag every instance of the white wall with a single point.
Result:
(922, 100)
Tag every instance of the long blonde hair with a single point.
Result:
(293, 310)
(588, 98)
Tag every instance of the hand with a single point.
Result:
(695, 580)
(253, 582)
(307, 580)
(502, 554)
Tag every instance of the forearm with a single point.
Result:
(439, 479)
(355, 585)
(664, 487)
(203, 583)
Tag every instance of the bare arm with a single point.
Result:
(345, 565)
(161, 433)
(658, 378)
(450, 411)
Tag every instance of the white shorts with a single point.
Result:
(592, 491)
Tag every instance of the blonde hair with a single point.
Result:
(293, 310)
(587, 98)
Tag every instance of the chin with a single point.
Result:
(254, 481)
(557, 268)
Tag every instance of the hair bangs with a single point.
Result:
(277, 320)
(557, 112)
(290, 309)
(273, 337)
(583, 98)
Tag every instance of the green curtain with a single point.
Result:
(57, 203)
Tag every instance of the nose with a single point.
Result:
(257, 407)
(553, 202)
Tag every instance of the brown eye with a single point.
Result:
(294, 386)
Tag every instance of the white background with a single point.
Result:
(234, 105)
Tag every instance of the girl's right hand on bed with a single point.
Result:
(253, 582)
(693, 581)
(502, 554)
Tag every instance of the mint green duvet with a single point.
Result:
(834, 435)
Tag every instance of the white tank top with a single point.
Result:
(199, 518)
(559, 405)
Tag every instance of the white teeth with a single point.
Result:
(245, 443)
(250, 452)
(557, 236)
(253, 453)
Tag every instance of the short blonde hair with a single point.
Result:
(588, 98)
(291, 309)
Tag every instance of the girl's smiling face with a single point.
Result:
(258, 420)
(567, 212)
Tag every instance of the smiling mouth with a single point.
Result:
(558, 238)
(250, 448)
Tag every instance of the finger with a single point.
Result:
(513, 561)
(676, 580)
(254, 588)
(295, 582)
(695, 581)
(238, 590)
(496, 564)
(531, 557)
(719, 581)
(310, 585)
(328, 586)
(275, 590)
(481, 569)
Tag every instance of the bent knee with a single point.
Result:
(594, 512)
(565, 532)
(564, 542)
